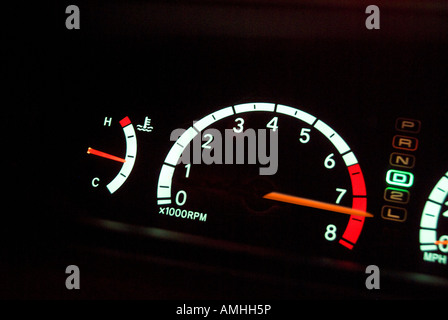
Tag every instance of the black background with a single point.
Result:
(183, 60)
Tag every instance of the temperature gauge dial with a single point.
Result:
(125, 160)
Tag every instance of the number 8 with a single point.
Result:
(330, 234)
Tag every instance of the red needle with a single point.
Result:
(104, 155)
(444, 242)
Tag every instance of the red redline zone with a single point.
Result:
(356, 223)
(125, 121)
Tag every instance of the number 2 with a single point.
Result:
(210, 139)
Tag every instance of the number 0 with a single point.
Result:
(181, 198)
(443, 247)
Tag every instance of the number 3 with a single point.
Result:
(240, 125)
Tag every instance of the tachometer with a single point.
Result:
(266, 174)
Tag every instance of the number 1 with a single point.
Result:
(187, 167)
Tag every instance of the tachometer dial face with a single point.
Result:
(434, 225)
(265, 174)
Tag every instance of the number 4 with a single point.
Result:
(273, 124)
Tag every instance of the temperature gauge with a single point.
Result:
(123, 160)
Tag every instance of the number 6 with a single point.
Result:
(329, 161)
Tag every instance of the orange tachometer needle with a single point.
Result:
(444, 242)
(315, 204)
(104, 155)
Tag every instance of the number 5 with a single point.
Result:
(304, 135)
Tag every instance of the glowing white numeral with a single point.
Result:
(443, 247)
(240, 125)
(330, 233)
(304, 135)
(273, 124)
(341, 194)
(329, 161)
(187, 167)
(181, 198)
(210, 139)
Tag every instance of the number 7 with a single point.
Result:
(341, 194)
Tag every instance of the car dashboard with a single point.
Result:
(229, 150)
